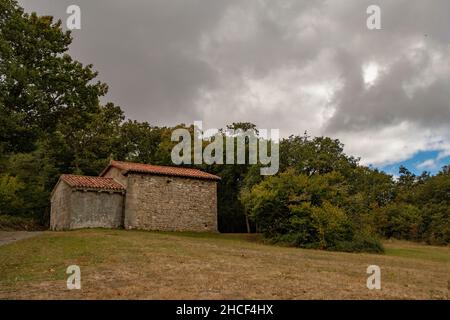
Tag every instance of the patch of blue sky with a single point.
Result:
(430, 161)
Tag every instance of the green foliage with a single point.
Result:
(420, 209)
(318, 155)
(360, 243)
(12, 223)
(400, 221)
(305, 211)
(87, 150)
(40, 85)
(432, 197)
(330, 223)
(10, 200)
(37, 174)
(140, 142)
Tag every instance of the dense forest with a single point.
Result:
(52, 122)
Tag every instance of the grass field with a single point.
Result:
(118, 264)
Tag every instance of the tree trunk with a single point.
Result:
(247, 223)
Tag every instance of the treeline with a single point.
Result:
(51, 122)
(325, 199)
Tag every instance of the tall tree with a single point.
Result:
(40, 83)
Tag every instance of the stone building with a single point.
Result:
(136, 196)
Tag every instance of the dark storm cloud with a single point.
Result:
(293, 65)
(144, 50)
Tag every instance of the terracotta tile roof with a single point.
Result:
(92, 182)
(161, 170)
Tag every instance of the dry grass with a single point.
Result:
(118, 264)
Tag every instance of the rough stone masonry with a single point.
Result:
(137, 196)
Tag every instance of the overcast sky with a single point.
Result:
(293, 65)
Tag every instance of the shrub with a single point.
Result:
(360, 243)
(298, 210)
(400, 221)
(12, 223)
(9, 190)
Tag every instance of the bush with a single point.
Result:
(14, 223)
(10, 200)
(360, 243)
(297, 210)
(405, 221)
(437, 231)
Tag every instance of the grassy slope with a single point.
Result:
(149, 265)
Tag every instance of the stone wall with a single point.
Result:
(170, 203)
(94, 209)
(60, 207)
(74, 209)
(117, 175)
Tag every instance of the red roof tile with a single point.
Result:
(92, 182)
(161, 170)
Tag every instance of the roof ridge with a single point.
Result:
(160, 170)
(158, 165)
(85, 176)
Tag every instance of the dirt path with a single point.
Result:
(13, 236)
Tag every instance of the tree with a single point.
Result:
(140, 142)
(87, 150)
(318, 155)
(36, 173)
(40, 84)
(50, 118)
(10, 200)
(306, 211)
(433, 198)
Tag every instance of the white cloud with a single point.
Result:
(445, 152)
(427, 164)
(370, 73)
(291, 99)
(392, 144)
